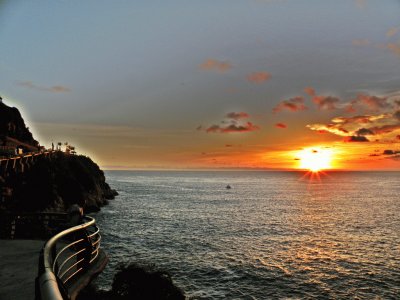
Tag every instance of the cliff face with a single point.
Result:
(13, 125)
(53, 184)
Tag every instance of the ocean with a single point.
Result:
(273, 235)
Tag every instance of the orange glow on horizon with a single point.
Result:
(315, 159)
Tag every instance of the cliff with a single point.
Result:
(52, 183)
(12, 125)
(55, 184)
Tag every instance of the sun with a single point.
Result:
(315, 159)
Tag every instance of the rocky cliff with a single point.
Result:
(12, 125)
(52, 183)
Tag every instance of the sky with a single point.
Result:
(208, 84)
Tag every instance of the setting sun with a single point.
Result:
(315, 159)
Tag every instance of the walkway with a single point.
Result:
(19, 261)
(18, 268)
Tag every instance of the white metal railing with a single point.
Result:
(78, 248)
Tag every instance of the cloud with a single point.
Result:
(394, 48)
(293, 104)
(237, 115)
(360, 119)
(373, 102)
(215, 65)
(52, 89)
(361, 42)
(396, 115)
(280, 125)
(389, 152)
(258, 77)
(322, 102)
(392, 31)
(360, 126)
(355, 138)
(364, 131)
(233, 122)
(369, 102)
(385, 129)
(325, 102)
(309, 91)
(230, 128)
(332, 128)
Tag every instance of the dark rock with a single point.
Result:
(134, 281)
(54, 184)
(12, 125)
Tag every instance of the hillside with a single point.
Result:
(12, 125)
(52, 183)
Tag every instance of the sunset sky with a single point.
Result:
(208, 84)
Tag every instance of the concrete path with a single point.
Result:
(19, 261)
(18, 268)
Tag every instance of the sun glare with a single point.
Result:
(315, 159)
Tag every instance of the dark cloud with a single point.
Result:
(233, 122)
(356, 138)
(385, 129)
(237, 115)
(231, 128)
(389, 152)
(364, 131)
(396, 115)
(293, 104)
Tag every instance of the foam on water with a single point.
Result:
(271, 235)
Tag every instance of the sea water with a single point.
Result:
(272, 235)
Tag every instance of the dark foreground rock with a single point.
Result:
(55, 183)
(136, 282)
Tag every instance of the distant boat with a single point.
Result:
(228, 187)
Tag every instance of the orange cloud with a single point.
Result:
(215, 65)
(52, 89)
(325, 102)
(371, 102)
(293, 104)
(258, 77)
(280, 125)
(309, 91)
